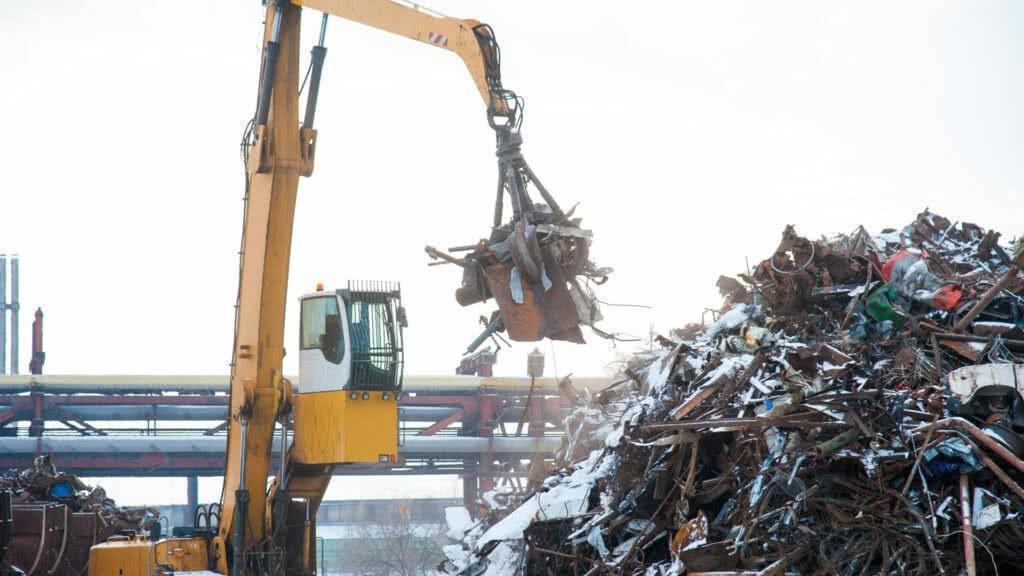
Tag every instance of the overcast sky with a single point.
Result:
(691, 133)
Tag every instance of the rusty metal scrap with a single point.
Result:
(55, 518)
(824, 424)
(44, 483)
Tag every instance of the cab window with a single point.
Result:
(321, 328)
(376, 357)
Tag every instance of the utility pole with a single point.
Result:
(3, 314)
(13, 305)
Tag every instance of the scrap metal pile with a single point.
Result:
(43, 483)
(854, 409)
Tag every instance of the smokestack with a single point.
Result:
(15, 304)
(3, 314)
(35, 366)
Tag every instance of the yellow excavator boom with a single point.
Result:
(258, 392)
(260, 397)
(256, 523)
(411, 21)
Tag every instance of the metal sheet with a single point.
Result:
(542, 314)
(965, 382)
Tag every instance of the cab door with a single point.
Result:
(325, 358)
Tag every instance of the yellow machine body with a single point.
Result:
(141, 557)
(332, 427)
(183, 554)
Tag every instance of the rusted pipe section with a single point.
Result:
(937, 360)
(829, 447)
(982, 438)
(691, 470)
(998, 471)
(917, 461)
(986, 299)
(980, 454)
(792, 421)
(438, 255)
(1012, 345)
(968, 528)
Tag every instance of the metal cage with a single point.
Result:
(376, 318)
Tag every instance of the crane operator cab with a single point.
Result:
(350, 374)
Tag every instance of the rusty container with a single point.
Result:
(85, 531)
(39, 538)
(48, 539)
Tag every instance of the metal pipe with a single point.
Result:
(269, 68)
(209, 384)
(544, 193)
(241, 506)
(3, 314)
(510, 179)
(499, 202)
(6, 520)
(244, 446)
(982, 438)
(829, 447)
(986, 299)
(317, 56)
(14, 306)
(999, 472)
(156, 411)
(967, 525)
(283, 481)
(456, 446)
(307, 538)
(425, 413)
(117, 413)
(522, 416)
(793, 421)
(192, 494)
(495, 325)
(1013, 345)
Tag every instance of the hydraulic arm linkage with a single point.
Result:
(529, 264)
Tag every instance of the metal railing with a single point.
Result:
(374, 311)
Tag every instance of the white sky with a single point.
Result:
(691, 132)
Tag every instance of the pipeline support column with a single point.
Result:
(488, 404)
(470, 464)
(192, 498)
(14, 306)
(3, 314)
